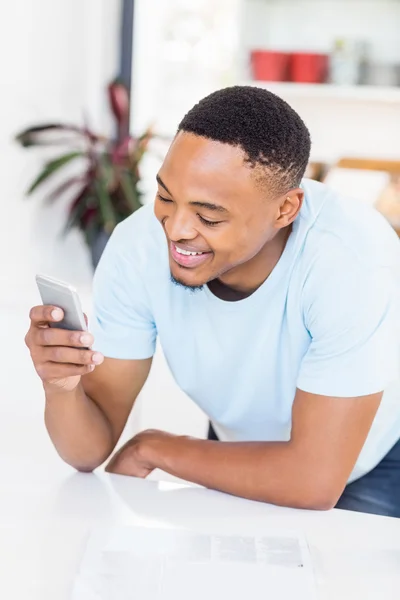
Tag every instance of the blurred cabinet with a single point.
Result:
(313, 25)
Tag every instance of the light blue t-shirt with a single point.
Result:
(326, 321)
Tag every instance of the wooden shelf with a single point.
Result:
(356, 93)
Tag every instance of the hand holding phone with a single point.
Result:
(63, 295)
(58, 338)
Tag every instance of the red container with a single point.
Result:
(309, 67)
(269, 66)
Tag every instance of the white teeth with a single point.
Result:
(186, 252)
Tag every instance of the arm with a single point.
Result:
(309, 471)
(88, 399)
(85, 417)
(85, 424)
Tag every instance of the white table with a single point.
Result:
(47, 510)
(46, 513)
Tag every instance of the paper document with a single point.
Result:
(126, 563)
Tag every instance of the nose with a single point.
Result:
(179, 227)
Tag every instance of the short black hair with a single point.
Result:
(265, 127)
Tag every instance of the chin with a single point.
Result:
(188, 278)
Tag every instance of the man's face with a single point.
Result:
(215, 214)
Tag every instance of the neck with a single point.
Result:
(248, 277)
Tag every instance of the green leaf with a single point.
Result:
(62, 188)
(107, 171)
(77, 212)
(51, 167)
(130, 191)
(28, 137)
(106, 207)
(33, 135)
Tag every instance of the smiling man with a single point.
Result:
(275, 302)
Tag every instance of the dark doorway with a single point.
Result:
(126, 41)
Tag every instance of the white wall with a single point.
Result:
(182, 51)
(56, 58)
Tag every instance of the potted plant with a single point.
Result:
(106, 188)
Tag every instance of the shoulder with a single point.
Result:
(350, 260)
(347, 232)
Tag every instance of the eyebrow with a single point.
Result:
(207, 205)
(162, 184)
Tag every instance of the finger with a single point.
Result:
(73, 356)
(51, 336)
(109, 468)
(42, 315)
(118, 467)
(53, 371)
(113, 463)
(86, 320)
(129, 469)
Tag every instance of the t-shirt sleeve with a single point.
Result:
(350, 312)
(123, 326)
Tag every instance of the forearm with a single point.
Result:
(269, 472)
(78, 428)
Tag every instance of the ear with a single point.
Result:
(289, 207)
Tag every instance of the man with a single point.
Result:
(275, 303)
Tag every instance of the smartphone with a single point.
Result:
(64, 296)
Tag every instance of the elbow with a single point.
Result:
(321, 503)
(88, 464)
(317, 493)
(321, 499)
(85, 468)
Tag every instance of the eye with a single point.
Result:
(209, 223)
(162, 199)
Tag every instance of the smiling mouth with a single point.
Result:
(188, 258)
